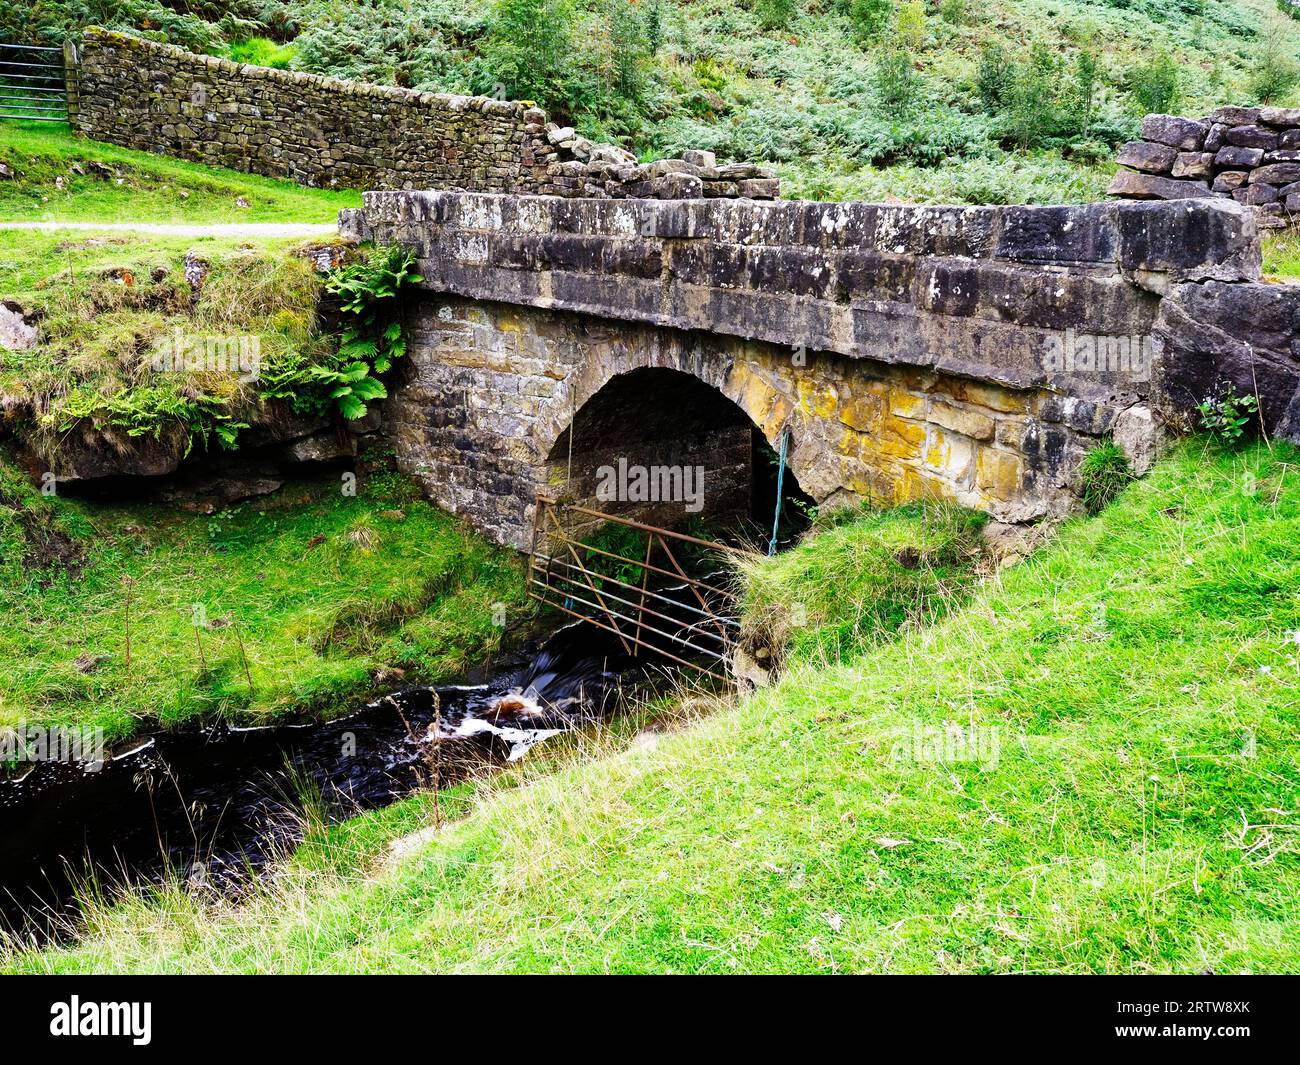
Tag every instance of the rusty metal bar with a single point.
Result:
(679, 640)
(694, 626)
(648, 591)
(649, 528)
(556, 577)
(607, 628)
(645, 576)
(654, 569)
(678, 566)
(550, 512)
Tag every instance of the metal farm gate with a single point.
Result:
(661, 609)
(32, 83)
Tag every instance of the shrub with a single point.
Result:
(1103, 474)
(869, 18)
(629, 50)
(953, 12)
(1228, 415)
(1087, 83)
(349, 380)
(994, 78)
(1276, 74)
(896, 80)
(1153, 85)
(1031, 110)
(909, 24)
(528, 48)
(654, 26)
(775, 14)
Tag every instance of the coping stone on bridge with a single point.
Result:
(985, 292)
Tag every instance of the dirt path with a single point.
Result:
(166, 229)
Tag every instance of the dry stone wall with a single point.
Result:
(1248, 154)
(325, 132)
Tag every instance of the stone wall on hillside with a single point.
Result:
(1249, 154)
(325, 132)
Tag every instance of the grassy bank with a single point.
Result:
(59, 177)
(1088, 766)
(1281, 255)
(316, 591)
(108, 310)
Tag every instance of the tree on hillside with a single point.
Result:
(529, 48)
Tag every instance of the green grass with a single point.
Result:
(56, 181)
(324, 590)
(1138, 813)
(861, 577)
(262, 52)
(1281, 255)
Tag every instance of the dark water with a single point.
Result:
(216, 806)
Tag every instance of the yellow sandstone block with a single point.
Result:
(862, 412)
(967, 422)
(906, 405)
(999, 473)
(951, 456)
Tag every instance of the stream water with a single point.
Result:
(215, 806)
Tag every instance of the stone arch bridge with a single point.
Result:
(968, 353)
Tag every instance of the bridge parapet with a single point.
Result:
(988, 292)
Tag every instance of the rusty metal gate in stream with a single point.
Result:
(632, 597)
(32, 83)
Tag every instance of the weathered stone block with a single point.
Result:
(1242, 158)
(1251, 137)
(1058, 234)
(1256, 194)
(1149, 156)
(760, 188)
(1236, 116)
(1276, 174)
(999, 473)
(1202, 239)
(1241, 335)
(1184, 134)
(1229, 180)
(1193, 165)
(1134, 186)
(1280, 116)
(967, 422)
